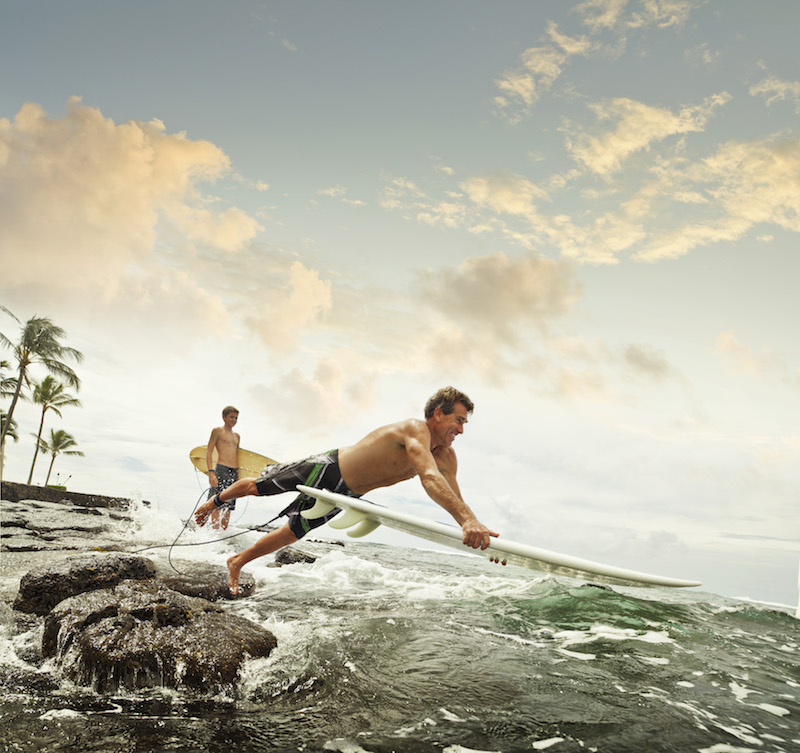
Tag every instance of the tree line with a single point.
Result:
(40, 343)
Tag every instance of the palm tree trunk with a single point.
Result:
(50, 469)
(7, 426)
(36, 449)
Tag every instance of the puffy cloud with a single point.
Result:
(326, 393)
(82, 199)
(537, 70)
(540, 67)
(505, 193)
(600, 15)
(766, 365)
(646, 361)
(636, 126)
(774, 90)
(749, 183)
(605, 15)
(495, 301)
(303, 301)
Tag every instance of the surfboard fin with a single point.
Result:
(349, 518)
(318, 510)
(363, 528)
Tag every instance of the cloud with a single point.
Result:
(539, 67)
(746, 183)
(606, 15)
(502, 295)
(774, 90)
(537, 70)
(332, 389)
(646, 361)
(635, 126)
(505, 193)
(83, 200)
(766, 365)
(286, 313)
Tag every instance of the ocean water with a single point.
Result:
(402, 649)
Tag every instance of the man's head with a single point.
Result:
(447, 398)
(229, 410)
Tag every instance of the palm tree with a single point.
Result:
(12, 432)
(60, 442)
(50, 394)
(7, 384)
(39, 342)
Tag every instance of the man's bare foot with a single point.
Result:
(233, 576)
(203, 512)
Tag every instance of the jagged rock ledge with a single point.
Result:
(14, 492)
(111, 621)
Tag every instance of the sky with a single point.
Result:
(584, 215)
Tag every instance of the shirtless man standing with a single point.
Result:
(384, 457)
(226, 442)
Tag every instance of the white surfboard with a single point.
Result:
(363, 517)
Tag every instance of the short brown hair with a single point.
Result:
(446, 399)
(228, 409)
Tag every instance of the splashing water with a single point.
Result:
(388, 648)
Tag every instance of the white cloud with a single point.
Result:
(766, 365)
(286, 313)
(81, 198)
(775, 90)
(635, 126)
(606, 15)
(502, 295)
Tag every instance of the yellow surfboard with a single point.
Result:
(250, 463)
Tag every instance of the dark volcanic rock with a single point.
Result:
(289, 556)
(41, 589)
(142, 634)
(208, 583)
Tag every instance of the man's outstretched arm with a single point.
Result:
(439, 481)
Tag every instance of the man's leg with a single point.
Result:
(267, 544)
(242, 488)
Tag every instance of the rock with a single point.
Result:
(34, 525)
(208, 582)
(143, 634)
(20, 680)
(289, 556)
(41, 589)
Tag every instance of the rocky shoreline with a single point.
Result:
(110, 619)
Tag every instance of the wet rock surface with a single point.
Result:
(97, 616)
(143, 634)
(41, 589)
(30, 525)
(208, 582)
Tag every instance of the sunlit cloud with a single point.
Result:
(773, 90)
(635, 126)
(768, 364)
(288, 310)
(83, 200)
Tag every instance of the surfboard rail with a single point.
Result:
(250, 463)
(362, 516)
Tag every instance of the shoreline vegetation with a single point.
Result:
(39, 345)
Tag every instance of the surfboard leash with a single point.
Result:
(210, 541)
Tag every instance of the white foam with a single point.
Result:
(544, 744)
(62, 714)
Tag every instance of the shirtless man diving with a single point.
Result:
(384, 457)
(226, 471)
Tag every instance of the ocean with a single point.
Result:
(385, 648)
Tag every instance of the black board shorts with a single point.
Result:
(225, 477)
(320, 471)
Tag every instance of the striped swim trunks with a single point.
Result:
(320, 471)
